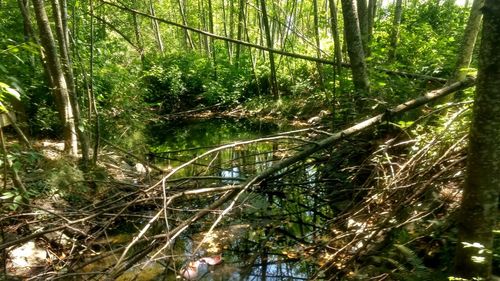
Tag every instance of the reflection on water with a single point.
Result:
(264, 236)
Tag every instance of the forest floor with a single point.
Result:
(411, 189)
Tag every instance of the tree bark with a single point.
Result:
(396, 23)
(464, 57)
(355, 50)
(59, 82)
(188, 40)
(479, 208)
(269, 41)
(241, 26)
(156, 27)
(138, 39)
(337, 51)
(318, 42)
(363, 23)
(211, 43)
(226, 34)
(62, 39)
(372, 9)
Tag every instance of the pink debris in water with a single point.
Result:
(214, 260)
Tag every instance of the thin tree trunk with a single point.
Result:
(59, 81)
(479, 208)
(231, 24)
(91, 97)
(226, 34)
(396, 23)
(241, 26)
(269, 40)
(464, 57)
(211, 40)
(363, 16)
(337, 50)
(318, 43)
(62, 36)
(16, 180)
(156, 27)
(138, 38)
(372, 8)
(188, 39)
(355, 51)
(203, 18)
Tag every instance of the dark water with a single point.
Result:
(265, 237)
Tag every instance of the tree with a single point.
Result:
(269, 41)
(318, 42)
(479, 206)
(60, 14)
(58, 79)
(363, 17)
(396, 23)
(355, 49)
(469, 40)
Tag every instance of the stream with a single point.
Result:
(265, 237)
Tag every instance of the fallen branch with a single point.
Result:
(272, 50)
(308, 150)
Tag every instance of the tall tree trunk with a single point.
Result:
(372, 9)
(211, 40)
(337, 50)
(479, 209)
(269, 40)
(469, 40)
(226, 34)
(58, 79)
(62, 38)
(138, 38)
(187, 37)
(91, 96)
(396, 23)
(318, 42)
(203, 17)
(241, 25)
(363, 23)
(231, 24)
(355, 51)
(156, 27)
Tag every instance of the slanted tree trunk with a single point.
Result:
(187, 37)
(396, 23)
(355, 51)
(138, 38)
(156, 27)
(62, 38)
(59, 82)
(479, 208)
(464, 57)
(269, 40)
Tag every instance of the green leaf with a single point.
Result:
(8, 90)
(7, 195)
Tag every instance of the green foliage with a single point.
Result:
(429, 36)
(185, 80)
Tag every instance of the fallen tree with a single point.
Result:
(233, 194)
(257, 46)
